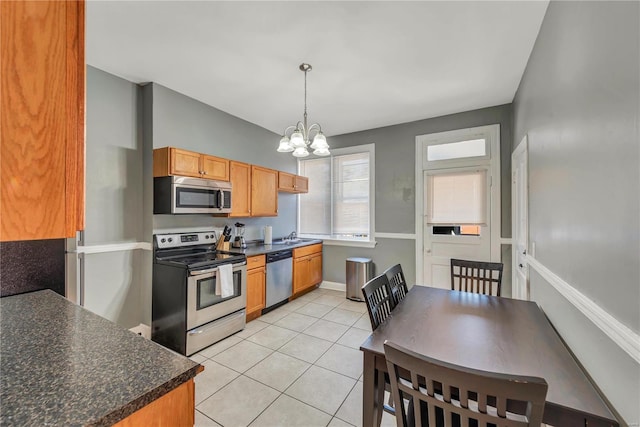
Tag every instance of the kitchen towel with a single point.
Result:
(268, 231)
(225, 276)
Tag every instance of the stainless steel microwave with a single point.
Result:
(183, 195)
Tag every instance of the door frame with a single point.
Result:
(521, 151)
(492, 134)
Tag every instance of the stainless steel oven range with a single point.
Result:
(199, 294)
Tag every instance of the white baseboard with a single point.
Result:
(619, 333)
(335, 286)
(142, 329)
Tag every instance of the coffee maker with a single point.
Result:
(239, 241)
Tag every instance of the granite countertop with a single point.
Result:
(258, 248)
(63, 365)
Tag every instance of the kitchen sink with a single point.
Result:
(289, 241)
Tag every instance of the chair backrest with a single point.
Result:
(397, 283)
(476, 276)
(377, 295)
(443, 394)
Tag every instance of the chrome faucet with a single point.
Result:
(293, 235)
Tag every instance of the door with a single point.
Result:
(185, 163)
(215, 168)
(264, 191)
(455, 239)
(240, 189)
(520, 224)
(457, 201)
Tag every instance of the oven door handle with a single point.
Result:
(211, 270)
(199, 272)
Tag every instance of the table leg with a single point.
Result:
(371, 410)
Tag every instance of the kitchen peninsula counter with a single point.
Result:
(63, 365)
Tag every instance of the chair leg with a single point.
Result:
(380, 397)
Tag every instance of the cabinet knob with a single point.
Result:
(204, 172)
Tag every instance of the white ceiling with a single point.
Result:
(374, 63)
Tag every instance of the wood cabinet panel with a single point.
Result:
(42, 82)
(176, 408)
(301, 184)
(290, 183)
(183, 162)
(240, 175)
(215, 168)
(256, 261)
(307, 267)
(256, 290)
(264, 191)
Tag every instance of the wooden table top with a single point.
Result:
(492, 334)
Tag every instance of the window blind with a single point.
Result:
(458, 198)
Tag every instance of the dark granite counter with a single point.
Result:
(259, 248)
(63, 365)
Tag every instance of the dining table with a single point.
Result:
(488, 333)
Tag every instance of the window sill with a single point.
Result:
(352, 243)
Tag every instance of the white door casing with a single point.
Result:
(433, 252)
(520, 220)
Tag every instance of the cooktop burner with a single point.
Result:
(190, 250)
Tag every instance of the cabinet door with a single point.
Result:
(240, 174)
(286, 182)
(215, 168)
(185, 163)
(264, 191)
(315, 269)
(255, 289)
(302, 184)
(300, 273)
(42, 114)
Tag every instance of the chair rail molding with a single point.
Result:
(619, 333)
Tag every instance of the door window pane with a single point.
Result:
(458, 198)
(457, 150)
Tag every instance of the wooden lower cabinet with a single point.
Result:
(307, 267)
(256, 286)
(175, 409)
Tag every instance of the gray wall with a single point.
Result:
(114, 206)
(395, 185)
(578, 104)
(184, 122)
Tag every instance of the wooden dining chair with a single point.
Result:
(435, 393)
(397, 283)
(476, 276)
(377, 296)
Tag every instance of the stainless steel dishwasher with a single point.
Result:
(279, 277)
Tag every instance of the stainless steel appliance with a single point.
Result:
(184, 195)
(239, 241)
(279, 277)
(191, 306)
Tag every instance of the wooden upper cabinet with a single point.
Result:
(240, 174)
(215, 168)
(290, 183)
(264, 191)
(42, 81)
(175, 161)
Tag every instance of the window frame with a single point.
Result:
(335, 152)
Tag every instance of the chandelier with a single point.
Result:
(299, 139)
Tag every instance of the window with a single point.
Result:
(339, 204)
(457, 198)
(456, 150)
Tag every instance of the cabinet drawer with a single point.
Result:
(255, 261)
(307, 250)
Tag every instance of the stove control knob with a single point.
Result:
(170, 240)
(163, 240)
(206, 237)
(211, 236)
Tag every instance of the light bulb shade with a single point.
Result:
(297, 139)
(300, 152)
(319, 141)
(322, 151)
(285, 145)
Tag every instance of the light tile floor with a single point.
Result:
(299, 365)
